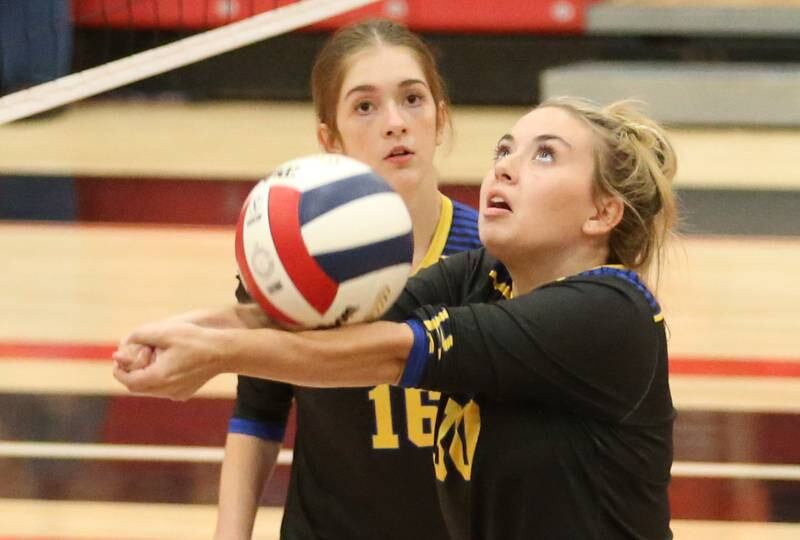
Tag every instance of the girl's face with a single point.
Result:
(539, 197)
(387, 117)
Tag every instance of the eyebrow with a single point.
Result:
(372, 88)
(508, 137)
(550, 137)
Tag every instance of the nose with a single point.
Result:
(395, 121)
(504, 170)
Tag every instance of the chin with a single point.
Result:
(404, 181)
(496, 244)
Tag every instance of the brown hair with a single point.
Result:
(332, 64)
(635, 161)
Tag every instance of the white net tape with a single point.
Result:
(168, 57)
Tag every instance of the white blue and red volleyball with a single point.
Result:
(324, 241)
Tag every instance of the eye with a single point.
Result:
(501, 151)
(545, 154)
(414, 99)
(364, 107)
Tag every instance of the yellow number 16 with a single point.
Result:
(420, 417)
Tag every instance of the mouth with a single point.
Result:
(497, 202)
(399, 152)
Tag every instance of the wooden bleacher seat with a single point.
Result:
(244, 141)
(770, 18)
(689, 93)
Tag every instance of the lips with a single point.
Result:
(399, 152)
(497, 201)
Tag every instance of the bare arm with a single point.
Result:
(235, 316)
(248, 464)
(189, 355)
(358, 355)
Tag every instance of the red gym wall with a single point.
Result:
(500, 16)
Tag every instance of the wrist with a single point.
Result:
(233, 350)
(220, 343)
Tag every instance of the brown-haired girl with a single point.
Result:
(360, 455)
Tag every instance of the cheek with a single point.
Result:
(355, 141)
(487, 179)
(425, 119)
(571, 204)
(554, 202)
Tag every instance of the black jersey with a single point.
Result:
(362, 456)
(555, 420)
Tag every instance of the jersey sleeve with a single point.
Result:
(262, 406)
(261, 409)
(584, 347)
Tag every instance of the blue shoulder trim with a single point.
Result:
(463, 234)
(631, 277)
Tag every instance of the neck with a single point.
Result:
(528, 272)
(424, 208)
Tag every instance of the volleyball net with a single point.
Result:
(236, 24)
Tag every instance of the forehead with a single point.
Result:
(382, 65)
(553, 121)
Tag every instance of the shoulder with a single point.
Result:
(465, 211)
(604, 305)
(605, 325)
(609, 287)
(463, 234)
(464, 215)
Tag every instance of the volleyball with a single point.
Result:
(324, 241)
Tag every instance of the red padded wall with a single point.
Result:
(499, 16)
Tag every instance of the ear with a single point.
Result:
(608, 213)
(327, 140)
(441, 121)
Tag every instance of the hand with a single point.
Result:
(185, 359)
(132, 356)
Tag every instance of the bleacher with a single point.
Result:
(689, 91)
(725, 104)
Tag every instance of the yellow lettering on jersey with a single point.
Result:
(452, 413)
(385, 437)
(420, 417)
(435, 325)
(458, 420)
(420, 431)
(463, 450)
(501, 287)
